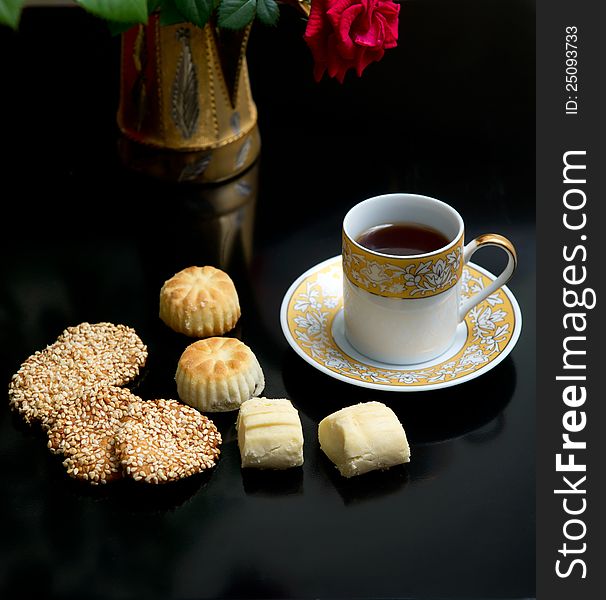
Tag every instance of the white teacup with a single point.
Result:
(406, 309)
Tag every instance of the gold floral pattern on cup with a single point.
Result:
(403, 277)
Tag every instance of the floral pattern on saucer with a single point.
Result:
(318, 298)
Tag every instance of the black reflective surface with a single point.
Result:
(449, 114)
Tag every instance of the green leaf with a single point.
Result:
(196, 11)
(116, 28)
(10, 11)
(236, 14)
(121, 11)
(268, 11)
(170, 14)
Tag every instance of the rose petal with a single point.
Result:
(350, 34)
(343, 29)
(374, 37)
(366, 57)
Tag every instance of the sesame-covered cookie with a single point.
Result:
(83, 356)
(200, 302)
(111, 354)
(163, 440)
(218, 375)
(84, 431)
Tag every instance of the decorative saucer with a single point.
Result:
(312, 321)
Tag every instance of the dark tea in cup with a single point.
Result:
(402, 239)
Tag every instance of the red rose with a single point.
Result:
(350, 34)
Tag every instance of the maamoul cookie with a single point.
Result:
(200, 302)
(163, 440)
(218, 374)
(84, 431)
(82, 356)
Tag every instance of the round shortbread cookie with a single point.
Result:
(218, 375)
(163, 440)
(84, 431)
(200, 302)
(82, 356)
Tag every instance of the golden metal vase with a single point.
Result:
(186, 109)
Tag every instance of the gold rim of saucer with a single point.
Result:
(315, 299)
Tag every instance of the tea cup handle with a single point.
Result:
(489, 239)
